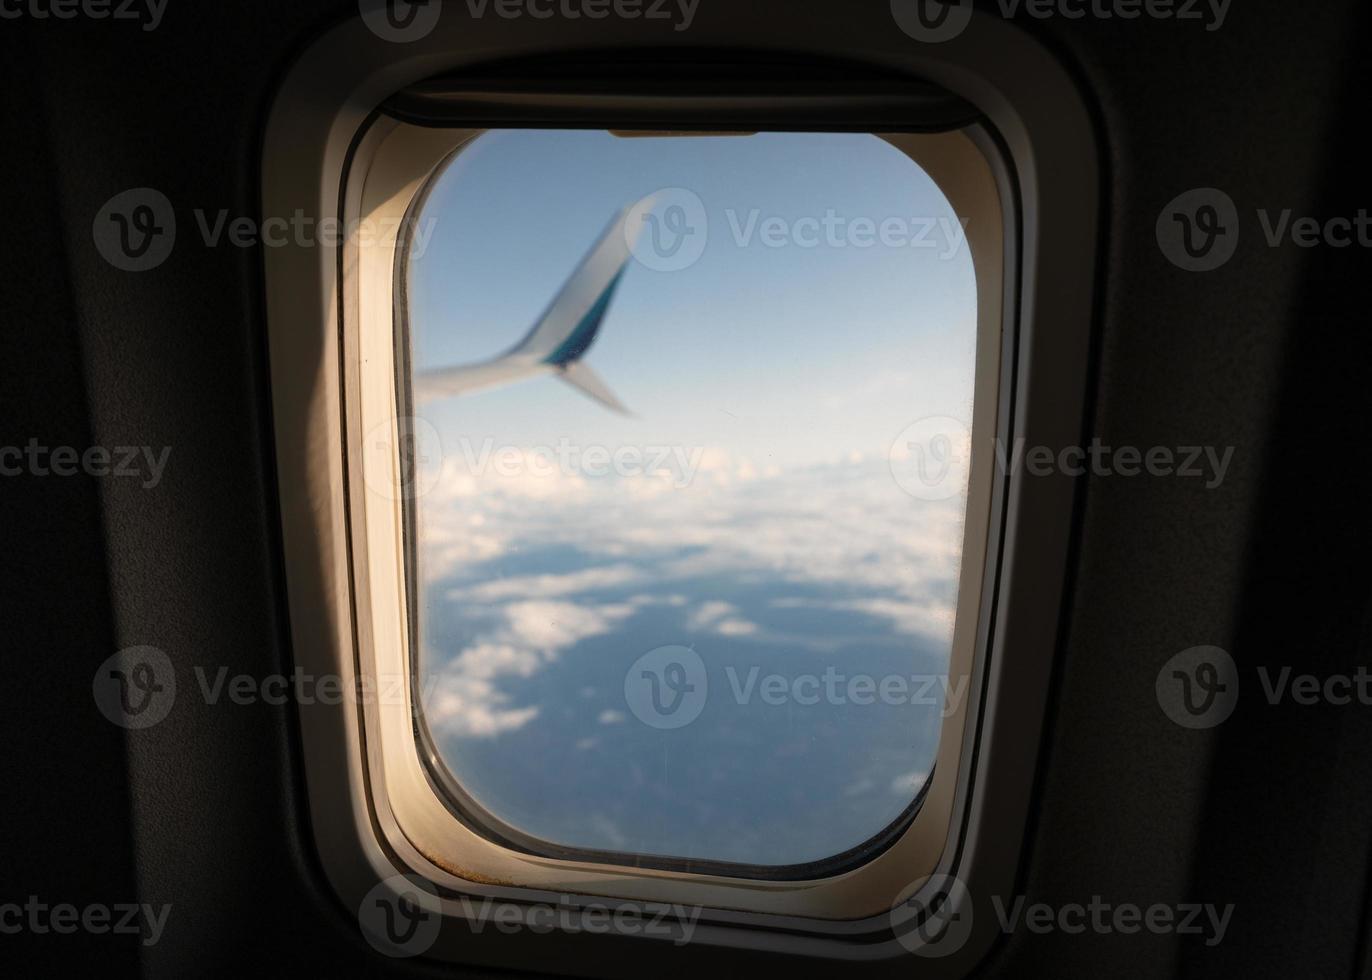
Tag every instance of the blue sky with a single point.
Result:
(777, 540)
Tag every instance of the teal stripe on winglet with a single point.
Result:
(581, 338)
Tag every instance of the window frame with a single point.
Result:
(397, 171)
(309, 334)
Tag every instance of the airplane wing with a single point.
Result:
(578, 374)
(446, 382)
(568, 327)
(561, 335)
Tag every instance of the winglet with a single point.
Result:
(565, 331)
(578, 374)
(569, 325)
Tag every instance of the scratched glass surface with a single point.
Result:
(681, 590)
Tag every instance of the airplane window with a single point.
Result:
(679, 596)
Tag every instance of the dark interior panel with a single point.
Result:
(1271, 811)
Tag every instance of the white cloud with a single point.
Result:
(909, 783)
(549, 626)
(843, 532)
(462, 705)
(709, 613)
(735, 627)
(720, 617)
(463, 697)
(547, 586)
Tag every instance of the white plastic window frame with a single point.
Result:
(394, 163)
(370, 813)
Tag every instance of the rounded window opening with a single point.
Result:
(690, 482)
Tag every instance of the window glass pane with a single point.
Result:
(678, 593)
